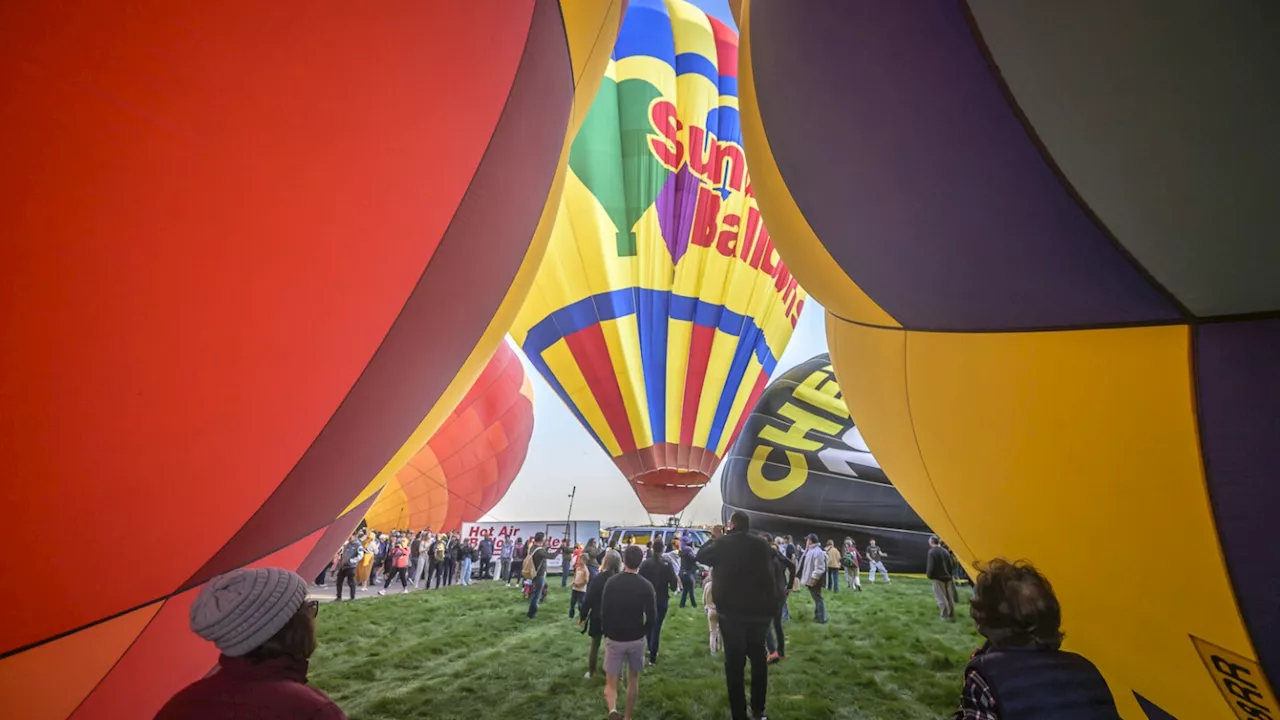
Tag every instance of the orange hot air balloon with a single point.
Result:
(247, 249)
(470, 462)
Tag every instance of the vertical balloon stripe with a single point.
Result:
(592, 357)
(621, 336)
(579, 401)
(653, 359)
(714, 385)
(748, 394)
(743, 353)
(699, 356)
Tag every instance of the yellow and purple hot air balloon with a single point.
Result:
(662, 306)
(1046, 235)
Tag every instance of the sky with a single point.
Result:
(562, 455)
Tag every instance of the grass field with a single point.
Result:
(471, 654)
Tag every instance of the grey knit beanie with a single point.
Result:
(244, 608)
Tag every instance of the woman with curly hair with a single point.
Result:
(1020, 672)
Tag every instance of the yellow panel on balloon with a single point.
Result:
(1093, 433)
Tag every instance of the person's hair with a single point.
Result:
(297, 639)
(935, 540)
(768, 538)
(657, 546)
(786, 538)
(538, 537)
(1015, 606)
(633, 556)
(612, 562)
(848, 540)
(739, 521)
(831, 543)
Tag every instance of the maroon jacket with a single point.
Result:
(274, 689)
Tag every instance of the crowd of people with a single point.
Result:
(261, 620)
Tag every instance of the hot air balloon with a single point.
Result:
(801, 466)
(470, 462)
(247, 249)
(661, 307)
(1046, 237)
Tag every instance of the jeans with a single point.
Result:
(565, 574)
(775, 640)
(833, 579)
(655, 633)
(465, 578)
(686, 583)
(819, 607)
(418, 566)
(348, 574)
(877, 565)
(539, 582)
(434, 569)
(743, 640)
(944, 595)
(320, 579)
(506, 570)
(575, 601)
(592, 571)
(449, 566)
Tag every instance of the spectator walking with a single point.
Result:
(265, 628)
(628, 613)
(592, 554)
(874, 557)
(938, 569)
(348, 561)
(850, 560)
(746, 594)
(813, 572)
(398, 558)
(580, 580)
(688, 569)
(590, 617)
(833, 567)
(661, 574)
(540, 557)
(1020, 672)
(775, 640)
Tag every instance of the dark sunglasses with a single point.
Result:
(313, 607)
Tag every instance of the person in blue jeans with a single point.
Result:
(662, 576)
(688, 568)
(540, 557)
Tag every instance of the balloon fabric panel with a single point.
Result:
(471, 461)
(662, 307)
(229, 218)
(1057, 331)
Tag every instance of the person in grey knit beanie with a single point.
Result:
(264, 625)
(241, 610)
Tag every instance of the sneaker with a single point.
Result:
(382, 592)
(615, 715)
(404, 591)
(586, 676)
(774, 658)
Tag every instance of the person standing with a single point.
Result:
(415, 560)
(566, 562)
(850, 561)
(348, 561)
(688, 568)
(589, 618)
(833, 567)
(937, 567)
(628, 613)
(580, 580)
(874, 557)
(435, 560)
(365, 568)
(518, 550)
(661, 574)
(504, 558)
(486, 558)
(539, 580)
(746, 594)
(813, 572)
(451, 556)
(466, 555)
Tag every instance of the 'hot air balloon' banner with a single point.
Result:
(662, 307)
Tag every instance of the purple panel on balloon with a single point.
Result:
(901, 150)
(1238, 380)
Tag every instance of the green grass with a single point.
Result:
(470, 654)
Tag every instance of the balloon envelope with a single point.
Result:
(800, 466)
(1045, 233)
(662, 307)
(471, 461)
(247, 249)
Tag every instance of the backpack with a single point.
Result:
(849, 560)
(529, 568)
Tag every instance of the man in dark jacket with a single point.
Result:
(937, 567)
(452, 558)
(688, 568)
(486, 558)
(746, 593)
(662, 576)
(627, 613)
(349, 556)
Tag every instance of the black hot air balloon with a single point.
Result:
(800, 466)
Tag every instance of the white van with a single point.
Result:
(645, 534)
